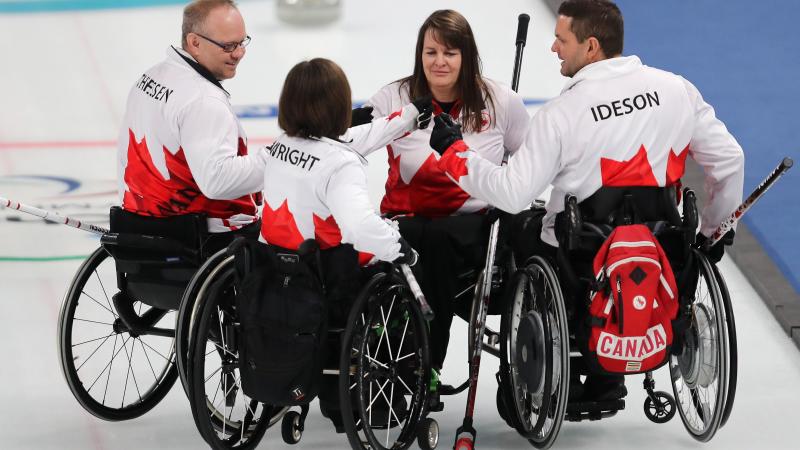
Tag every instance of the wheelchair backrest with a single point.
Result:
(583, 227)
(617, 205)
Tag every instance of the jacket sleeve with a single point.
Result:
(517, 122)
(347, 199)
(369, 137)
(515, 186)
(722, 159)
(381, 102)
(209, 136)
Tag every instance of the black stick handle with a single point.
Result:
(522, 38)
(759, 191)
(522, 28)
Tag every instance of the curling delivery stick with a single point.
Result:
(466, 434)
(52, 216)
(762, 188)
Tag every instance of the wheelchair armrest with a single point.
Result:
(151, 243)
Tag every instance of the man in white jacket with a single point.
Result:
(616, 123)
(181, 147)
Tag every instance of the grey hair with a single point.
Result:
(195, 14)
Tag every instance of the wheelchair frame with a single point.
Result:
(538, 419)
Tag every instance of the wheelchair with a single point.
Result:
(116, 330)
(383, 359)
(547, 297)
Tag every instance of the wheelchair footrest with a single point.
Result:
(579, 411)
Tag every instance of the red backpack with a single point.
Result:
(631, 314)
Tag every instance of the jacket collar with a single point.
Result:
(607, 68)
(202, 71)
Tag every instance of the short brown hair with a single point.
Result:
(452, 29)
(315, 100)
(599, 18)
(195, 14)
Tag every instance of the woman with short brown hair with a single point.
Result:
(315, 186)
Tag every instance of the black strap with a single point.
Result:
(620, 308)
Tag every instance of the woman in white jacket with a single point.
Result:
(315, 185)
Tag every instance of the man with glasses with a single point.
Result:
(182, 149)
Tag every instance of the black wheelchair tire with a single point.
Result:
(151, 397)
(554, 404)
(199, 332)
(732, 346)
(699, 418)
(359, 436)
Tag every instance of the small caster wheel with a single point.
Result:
(428, 434)
(464, 443)
(662, 410)
(291, 428)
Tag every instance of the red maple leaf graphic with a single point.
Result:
(393, 115)
(151, 194)
(454, 165)
(633, 172)
(429, 193)
(328, 234)
(676, 165)
(279, 227)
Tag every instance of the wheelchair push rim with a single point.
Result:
(198, 286)
(385, 352)
(225, 416)
(114, 374)
(537, 371)
(701, 372)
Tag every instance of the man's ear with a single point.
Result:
(593, 51)
(192, 42)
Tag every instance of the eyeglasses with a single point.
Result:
(228, 47)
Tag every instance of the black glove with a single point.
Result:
(361, 116)
(407, 254)
(445, 132)
(425, 107)
(714, 253)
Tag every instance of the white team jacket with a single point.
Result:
(317, 188)
(415, 183)
(616, 123)
(182, 150)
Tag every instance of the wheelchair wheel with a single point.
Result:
(701, 372)
(224, 415)
(732, 346)
(386, 356)
(184, 318)
(534, 344)
(114, 373)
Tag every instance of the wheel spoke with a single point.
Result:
(105, 294)
(155, 377)
(114, 352)
(107, 308)
(105, 338)
(108, 378)
(158, 353)
(93, 321)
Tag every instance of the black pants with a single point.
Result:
(448, 247)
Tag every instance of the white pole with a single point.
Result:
(52, 216)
